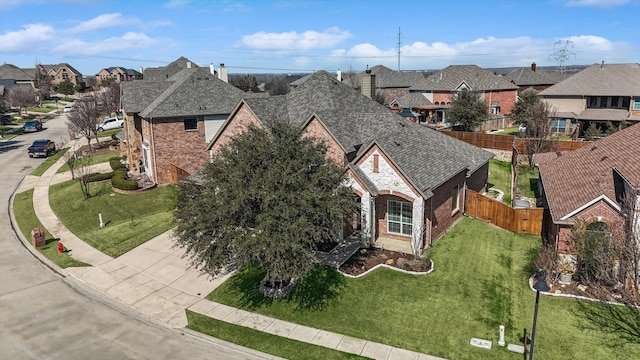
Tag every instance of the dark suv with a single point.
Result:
(41, 147)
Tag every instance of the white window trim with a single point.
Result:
(402, 224)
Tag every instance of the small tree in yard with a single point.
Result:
(84, 118)
(65, 87)
(22, 96)
(109, 98)
(269, 198)
(535, 115)
(468, 110)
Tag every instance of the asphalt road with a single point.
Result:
(44, 315)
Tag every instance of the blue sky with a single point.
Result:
(305, 36)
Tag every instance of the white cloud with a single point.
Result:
(292, 40)
(102, 22)
(597, 3)
(30, 37)
(130, 40)
(176, 4)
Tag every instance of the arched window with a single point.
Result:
(495, 108)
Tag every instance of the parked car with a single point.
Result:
(41, 147)
(5, 119)
(32, 126)
(68, 108)
(110, 124)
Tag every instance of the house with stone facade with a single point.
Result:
(118, 74)
(61, 72)
(602, 95)
(408, 180)
(170, 119)
(590, 184)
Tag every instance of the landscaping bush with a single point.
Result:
(116, 163)
(120, 181)
(100, 176)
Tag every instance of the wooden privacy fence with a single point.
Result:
(177, 174)
(524, 221)
(508, 142)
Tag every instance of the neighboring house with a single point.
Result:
(499, 94)
(589, 184)
(61, 72)
(600, 95)
(534, 78)
(118, 74)
(17, 75)
(169, 122)
(393, 84)
(409, 180)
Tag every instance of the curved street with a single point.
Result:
(47, 315)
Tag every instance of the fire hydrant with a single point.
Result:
(60, 248)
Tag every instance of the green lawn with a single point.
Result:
(27, 221)
(91, 160)
(528, 181)
(261, 341)
(479, 283)
(131, 219)
(500, 178)
(47, 163)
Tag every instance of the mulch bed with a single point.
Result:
(366, 259)
(96, 149)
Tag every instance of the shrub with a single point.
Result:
(116, 163)
(120, 181)
(100, 176)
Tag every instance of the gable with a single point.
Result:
(318, 131)
(385, 175)
(237, 123)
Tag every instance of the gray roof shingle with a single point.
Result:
(600, 80)
(449, 78)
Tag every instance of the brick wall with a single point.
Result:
(381, 217)
(334, 152)
(599, 211)
(240, 122)
(441, 204)
(172, 144)
(478, 180)
(506, 99)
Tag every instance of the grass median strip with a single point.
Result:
(27, 221)
(48, 162)
(261, 341)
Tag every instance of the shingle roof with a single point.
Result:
(387, 78)
(9, 71)
(56, 67)
(527, 77)
(577, 177)
(195, 91)
(425, 156)
(449, 78)
(600, 80)
(165, 72)
(603, 114)
(412, 100)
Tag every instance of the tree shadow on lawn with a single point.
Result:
(314, 292)
(622, 322)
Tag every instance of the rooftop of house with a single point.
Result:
(9, 71)
(574, 179)
(426, 157)
(451, 77)
(165, 72)
(600, 80)
(530, 76)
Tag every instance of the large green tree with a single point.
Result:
(468, 110)
(268, 198)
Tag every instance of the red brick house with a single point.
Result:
(588, 184)
(170, 120)
(61, 72)
(409, 180)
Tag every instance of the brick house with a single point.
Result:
(409, 180)
(61, 72)
(589, 184)
(600, 95)
(169, 121)
(118, 74)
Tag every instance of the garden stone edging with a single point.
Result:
(579, 297)
(129, 192)
(392, 268)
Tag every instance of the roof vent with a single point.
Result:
(401, 123)
(397, 143)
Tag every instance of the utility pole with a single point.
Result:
(562, 54)
(399, 43)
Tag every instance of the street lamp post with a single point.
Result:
(540, 285)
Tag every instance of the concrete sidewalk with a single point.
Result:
(158, 282)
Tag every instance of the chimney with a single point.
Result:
(188, 64)
(339, 75)
(212, 69)
(533, 66)
(141, 70)
(222, 73)
(368, 86)
(602, 65)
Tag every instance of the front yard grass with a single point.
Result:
(45, 165)
(27, 221)
(130, 220)
(90, 160)
(261, 341)
(479, 282)
(500, 178)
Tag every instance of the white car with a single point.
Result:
(110, 124)
(68, 108)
